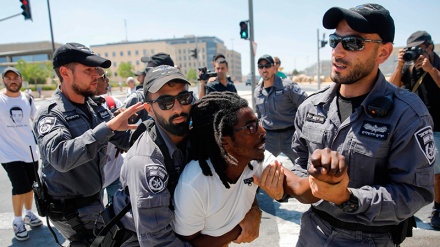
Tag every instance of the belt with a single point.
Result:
(352, 226)
(75, 203)
(282, 130)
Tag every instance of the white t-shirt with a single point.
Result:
(112, 168)
(202, 203)
(16, 129)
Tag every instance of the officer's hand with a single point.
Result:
(336, 193)
(250, 226)
(120, 122)
(327, 165)
(272, 179)
(211, 79)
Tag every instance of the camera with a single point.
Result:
(206, 74)
(412, 53)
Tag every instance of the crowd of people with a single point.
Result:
(363, 150)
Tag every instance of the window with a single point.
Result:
(129, 53)
(115, 64)
(152, 51)
(136, 52)
(121, 53)
(106, 54)
(145, 52)
(137, 62)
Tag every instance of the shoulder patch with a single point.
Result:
(45, 125)
(157, 178)
(425, 139)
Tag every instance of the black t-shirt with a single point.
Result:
(347, 106)
(428, 90)
(217, 86)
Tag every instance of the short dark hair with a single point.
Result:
(70, 66)
(222, 60)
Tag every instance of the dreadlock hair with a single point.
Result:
(213, 117)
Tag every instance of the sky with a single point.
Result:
(284, 28)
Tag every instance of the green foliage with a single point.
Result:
(125, 70)
(35, 72)
(191, 75)
(295, 72)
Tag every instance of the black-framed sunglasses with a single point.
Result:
(252, 127)
(167, 102)
(267, 65)
(349, 43)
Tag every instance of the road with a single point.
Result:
(280, 222)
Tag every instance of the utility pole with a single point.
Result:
(126, 37)
(251, 41)
(319, 63)
(51, 30)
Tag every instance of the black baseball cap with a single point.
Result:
(266, 57)
(78, 53)
(418, 38)
(140, 72)
(160, 75)
(10, 69)
(365, 18)
(217, 56)
(158, 59)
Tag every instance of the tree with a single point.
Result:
(295, 72)
(125, 70)
(36, 72)
(192, 74)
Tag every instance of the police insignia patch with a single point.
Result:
(157, 178)
(45, 125)
(425, 139)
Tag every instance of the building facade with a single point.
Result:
(180, 50)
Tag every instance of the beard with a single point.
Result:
(179, 129)
(81, 91)
(358, 71)
(11, 89)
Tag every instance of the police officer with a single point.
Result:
(156, 159)
(72, 133)
(276, 101)
(383, 133)
(138, 96)
(421, 75)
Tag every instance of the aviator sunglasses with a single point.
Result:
(267, 65)
(167, 102)
(252, 127)
(349, 43)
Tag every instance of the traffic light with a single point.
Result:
(194, 53)
(323, 43)
(244, 31)
(25, 5)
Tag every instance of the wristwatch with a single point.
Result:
(351, 205)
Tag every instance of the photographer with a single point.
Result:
(221, 84)
(418, 70)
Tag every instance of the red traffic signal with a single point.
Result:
(25, 5)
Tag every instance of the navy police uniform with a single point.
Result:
(276, 109)
(72, 145)
(150, 174)
(389, 161)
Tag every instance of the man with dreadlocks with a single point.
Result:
(216, 190)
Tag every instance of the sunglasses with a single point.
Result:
(349, 43)
(267, 65)
(252, 127)
(167, 102)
